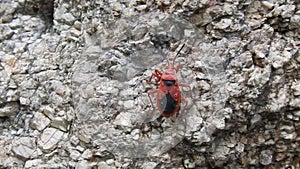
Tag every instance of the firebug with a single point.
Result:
(168, 95)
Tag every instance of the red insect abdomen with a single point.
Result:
(168, 102)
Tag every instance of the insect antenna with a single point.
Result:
(177, 53)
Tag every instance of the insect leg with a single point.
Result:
(185, 103)
(156, 74)
(151, 93)
(190, 90)
(178, 67)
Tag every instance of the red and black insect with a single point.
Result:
(168, 95)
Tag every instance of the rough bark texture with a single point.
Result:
(73, 92)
